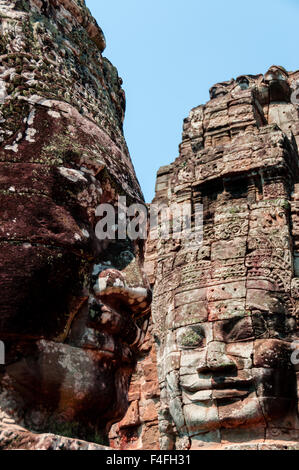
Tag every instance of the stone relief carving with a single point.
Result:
(74, 309)
(225, 328)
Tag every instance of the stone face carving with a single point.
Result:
(73, 308)
(225, 311)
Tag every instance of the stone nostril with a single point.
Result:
(219, 362)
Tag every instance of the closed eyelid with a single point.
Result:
(191, 338)
(238, 331)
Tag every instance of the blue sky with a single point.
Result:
(170, 52)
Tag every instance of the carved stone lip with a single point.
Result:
(100, 351)
(232, 389)
(96, 353)
(225, 386)
(239, 385)
(104, 354)
(228, 394)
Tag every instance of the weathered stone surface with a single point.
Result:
(73, 307)
(226, 306)
(15, 438)
(139, 427)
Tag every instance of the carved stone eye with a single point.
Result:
(191, 337)
(241, 331)
(213, 93)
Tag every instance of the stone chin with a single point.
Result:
(213, 415)
(69, 384)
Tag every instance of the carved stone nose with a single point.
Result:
(217, 360)
(113, 290)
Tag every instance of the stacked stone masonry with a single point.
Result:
(74, 307)
(225, 310)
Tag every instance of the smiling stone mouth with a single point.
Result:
(238, 385)
(225, 387)
(232, 389)
(230, 393)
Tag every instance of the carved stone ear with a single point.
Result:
(213, 93)
(217, 91)
(276, 73)
(243, 82)
(277, 80)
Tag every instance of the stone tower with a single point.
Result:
(73, 307)
(225, 310)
